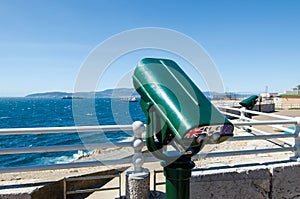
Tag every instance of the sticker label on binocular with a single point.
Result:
(210, 130)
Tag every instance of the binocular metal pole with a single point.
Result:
(178, 176)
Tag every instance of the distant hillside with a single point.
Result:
(117, 93)
(48, 95)
(124, 93)
(109, 93)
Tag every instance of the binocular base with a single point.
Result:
(178, 176)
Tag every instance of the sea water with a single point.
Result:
(30, 112)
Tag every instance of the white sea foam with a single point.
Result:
(4, 118)
(57, 160)
(79, 154)
(67, 159)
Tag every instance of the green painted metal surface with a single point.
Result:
(173, 103)
(178, 176)
(177, 112)
(250, 102)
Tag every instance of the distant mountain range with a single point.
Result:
(122, 93)
(109, 93)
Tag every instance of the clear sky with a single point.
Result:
(254, 44)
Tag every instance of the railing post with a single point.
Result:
(138, 180)
(154, 181)
(120, 186)
(296, 156)
(242, 111)
(65, 187)
(243, 115)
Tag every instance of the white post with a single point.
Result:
(296, 156)
(243, 115)
(242, 110)
(138, 180)
(138, 144)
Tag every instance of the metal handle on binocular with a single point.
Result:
(155, 126)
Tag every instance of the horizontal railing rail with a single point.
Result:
(68, 129)
(72, 165)
(41, 149)
(271, 122)
(257, 113)
(244, 152)
(275, 124)
(287, 106)
(61, 148)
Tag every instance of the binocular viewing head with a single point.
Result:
(177, 112)
(250, 102)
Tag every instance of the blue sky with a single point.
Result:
(254, 44)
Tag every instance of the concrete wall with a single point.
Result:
(274, 181)
(54, 190)
(288, 102)
(271, 181)
(266, 108)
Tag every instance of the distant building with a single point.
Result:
(288, 99)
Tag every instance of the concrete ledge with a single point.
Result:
(231, 184)
(54, 189)
(286, 181)
(269, 180)
(274, 181)
(15, 196)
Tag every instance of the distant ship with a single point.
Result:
(71, 97)
(129, 99)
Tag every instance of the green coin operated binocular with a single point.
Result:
(178, 115)
(177, 112)
(250, 102)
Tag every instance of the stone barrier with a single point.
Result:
(281, 180)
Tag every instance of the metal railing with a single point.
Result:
(236, 103)
(82, 191)
(155, 183)
(280, 120)
(58, 148)
(246, 123)
(135, 127)
(287, 106)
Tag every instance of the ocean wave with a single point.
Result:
(2, 118)
(74, 157)
(55, 160)
(22, 113)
